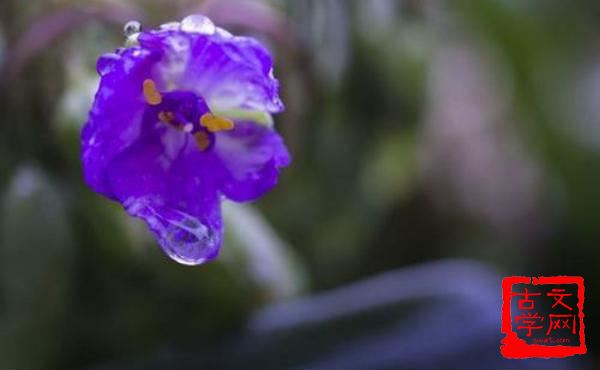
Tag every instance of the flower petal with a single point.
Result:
(235, 72)
(250, 156)
(163, 180)
(230, 72)
(115, 119)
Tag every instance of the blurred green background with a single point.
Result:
(421, 131)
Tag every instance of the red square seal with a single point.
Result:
(542, 317)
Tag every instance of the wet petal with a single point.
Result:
(115, 120)
(170, 190)
(230, 72)
(249, 158)
(245, 74)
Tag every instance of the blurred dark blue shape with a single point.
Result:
(431, 316)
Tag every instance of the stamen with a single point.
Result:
(202, 140)
(166, 117)
(214, 123)
(188, 127)
(151, 94)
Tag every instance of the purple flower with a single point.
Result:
(182, 117)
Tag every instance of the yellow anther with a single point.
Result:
(151, 94)
(202, 140)
(214, 123)
(166, 117)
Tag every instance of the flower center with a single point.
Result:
(186, 112)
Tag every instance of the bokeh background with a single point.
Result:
(438, 146)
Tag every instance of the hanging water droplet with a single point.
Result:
(189, 242)
(131, 28)
(198, 24)
(182, 236)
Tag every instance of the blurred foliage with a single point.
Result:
(420, 130)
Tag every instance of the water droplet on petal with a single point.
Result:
(105, 63)
(190, 242)
(198, 24)
(131, 28)
(182, 236)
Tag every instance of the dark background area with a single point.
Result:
(437, 147)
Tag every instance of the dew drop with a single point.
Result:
(131, 28)
(198, 24)
(183, 237)
(190, 242)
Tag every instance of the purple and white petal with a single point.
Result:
(165, 181)
(250, 158)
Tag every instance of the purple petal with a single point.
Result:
(227, 71)
(163, 180)
(235, 72)
(250, 156)
(115, 119)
